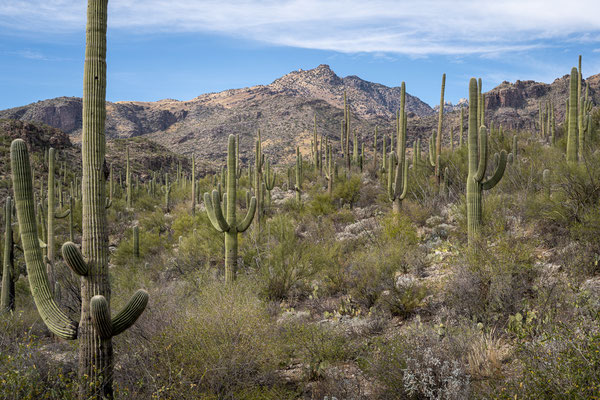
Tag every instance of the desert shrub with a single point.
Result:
(563, 362)
(420, 363)
(395, 251)
(492, 281)
(27, 370)
(321, 204)
(318, 346)
(289, 260)
(347, 190)
(221, 342)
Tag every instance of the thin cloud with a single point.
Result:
(415, 28)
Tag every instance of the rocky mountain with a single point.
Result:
(284, 112)
(146, 156)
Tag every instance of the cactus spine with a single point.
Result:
(478, 160)
(438, 143)
(572, 127)
(229, 224)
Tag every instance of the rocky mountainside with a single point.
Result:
(284, 111)
(146, 156)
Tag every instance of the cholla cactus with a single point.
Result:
(229, 224)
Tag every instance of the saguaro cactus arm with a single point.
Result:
(108, 328)
(483, 152)
(498, 173)
(245, 223)
(54, 318)
(215, 214)
(74, 259)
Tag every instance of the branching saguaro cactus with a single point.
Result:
(96, 328)
(398, 177)
(228, 224)
(572, 132)
(95, 355)
(478, 160)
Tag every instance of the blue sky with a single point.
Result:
(183, 48)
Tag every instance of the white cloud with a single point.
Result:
(416, 28)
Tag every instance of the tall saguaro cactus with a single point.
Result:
(438, 142)
(194, 183)
(478, 160)
(398, 176)
(299, 175)
(96, 328)
(228, 224)
(572, 142)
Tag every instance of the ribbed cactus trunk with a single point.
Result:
(194, 184)
(398, 165)
(473, 186)
(298, 186)
(229, 224)
(50, 220)
(572, 142)
(438, 143)
(95, 352)
(7, 300)
(128, 181)
(478, 159)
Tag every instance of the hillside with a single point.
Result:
(284, 112)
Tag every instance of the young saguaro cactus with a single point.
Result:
(10, 274)
(52, 214)
(398, 177)
(478, 160)
(229, 224)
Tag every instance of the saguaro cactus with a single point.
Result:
(478, 159)
(128, 181)
(194, 183)
(298, 187)
(398, 176)
(136, 241)
(269, 178)
(229, 224)
(9, 272)
(96, 327)
(572, 127)
(438, 143)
